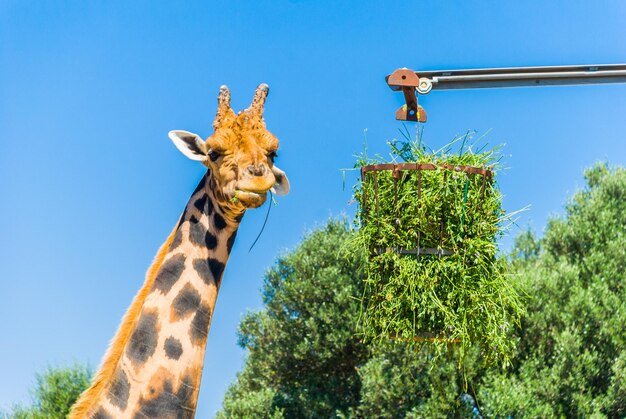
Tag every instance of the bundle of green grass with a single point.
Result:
(433, 274)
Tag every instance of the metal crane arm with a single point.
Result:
(422, 82)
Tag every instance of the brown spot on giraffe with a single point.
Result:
(200, 235)
(154, 364)
(186, 302)
(169, 396)
(210, 270)
(173, 348)
(101, 414)
(199, 328)
(119, 390)
(170, 273)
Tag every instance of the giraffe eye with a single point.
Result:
(213, 155)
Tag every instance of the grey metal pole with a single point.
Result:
(521, 76)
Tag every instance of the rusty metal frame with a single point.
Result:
(396, 168)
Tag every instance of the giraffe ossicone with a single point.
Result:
(154, 364)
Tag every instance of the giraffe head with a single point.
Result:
(239, 155)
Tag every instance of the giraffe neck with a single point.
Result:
(161, 355)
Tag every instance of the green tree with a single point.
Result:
(572, 345)
(54, 393)
(302, 352)
(399, 381)
(304, 360)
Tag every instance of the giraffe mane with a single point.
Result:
(111, 359)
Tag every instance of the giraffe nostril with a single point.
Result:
(255, 170)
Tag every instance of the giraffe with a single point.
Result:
(153, 366)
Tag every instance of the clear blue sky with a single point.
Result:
(91, 185)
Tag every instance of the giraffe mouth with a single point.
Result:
(250, 199)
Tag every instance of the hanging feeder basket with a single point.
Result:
(433, 275)
(407, 172)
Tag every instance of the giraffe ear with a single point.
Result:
(281, 187)
(190, 144)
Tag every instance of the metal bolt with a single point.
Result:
(425, 86)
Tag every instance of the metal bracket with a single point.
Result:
(412, 83)
(407, 81)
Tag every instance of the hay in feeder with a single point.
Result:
(430, 227)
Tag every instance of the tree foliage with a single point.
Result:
(305, 362)
(572, 344)
(303, 355)
(54, 393)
